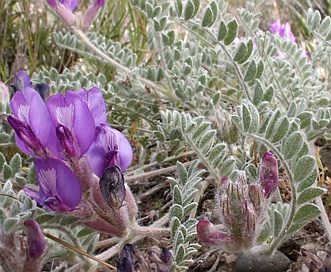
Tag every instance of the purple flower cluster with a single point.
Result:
(243, 209)
(282, 30)
(72, 142)
(65, 8)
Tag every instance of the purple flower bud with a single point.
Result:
(112, 187)
(35, 239)
(163, 259)
(91, 13)
(131, 260)
(64, 9)
(269, 174)
(210, 234)
(109, 148)
(124, 264)
(54, 179)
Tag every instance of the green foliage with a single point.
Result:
(182, 211)
(181, 87)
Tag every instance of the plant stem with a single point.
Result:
(324, 218)
(111, 252)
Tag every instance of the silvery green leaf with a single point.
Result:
(216, 98)
(7, 171)
(240, 52)
(249, 46)
(206, 141)
(191, 9)
(325, 25)
(232, 30)
(182, 172)
(303, 167)
(222, 31)
(228, 166)
(188, 208)
(179, 7)
(309, 194)
(278, 222)
(315, 21)
(190, 224)
(258, 93)
(210, 14)
(272, 123)
(10, 224)
(292, 110)
(303, 215)
(159, 135)
(269, 93)
(260, 69)
(250, 117)
(180, 253)
(177, 195)
(251, 71)
(216, 156)
(3, 216)
(176, 211)
(292, 145)
(188, 195)
(280, 129)
(305, 119)
(200, 130)
(180, 236)
(2, 161)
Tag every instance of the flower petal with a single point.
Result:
(94, 100)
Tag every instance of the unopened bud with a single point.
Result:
(35, 238)
(269, 174)
(112, 187)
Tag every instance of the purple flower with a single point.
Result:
(95, 102)
(31, 122)
(36, 243)
(132, 260)
(70, 4)
(269, 174)
(91, 13)
(283, 30)
(59, 189)
(110, 148)
(74, 123)
(64, 10)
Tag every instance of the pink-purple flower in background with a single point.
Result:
(282, 30)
